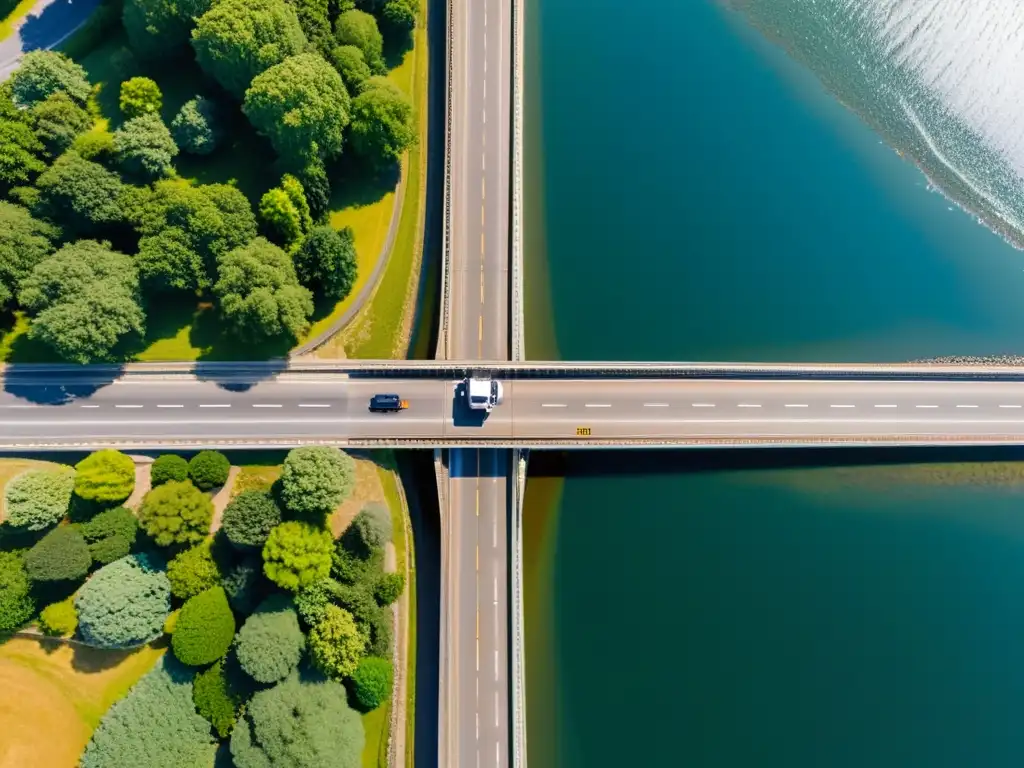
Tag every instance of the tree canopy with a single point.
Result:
(270, 643)
(193, 571)
(83, 196)
(24, 242)
(110, 534)
(204, 629)
(37, 499)
(158, 28)
(354, 71)
(58, 120)
(123, 604)
(41, 73)
(326, 262)
(20, 153)
(297, 554)
(106, 477)
(140, 96)
(176, 513)
(145, 147)
(315, 480)
(168, 466)
(16, 602)
(196, 127)
(335, 643)
(383, 125)
(61, 555)
(249, 518)
(372, 682)
(59, 619)
(214, 699)
(358, 28)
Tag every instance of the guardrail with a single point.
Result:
(516, 310)
(446, 241)
(518, 725)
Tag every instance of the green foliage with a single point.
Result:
(354, 71)
(19, 153)
(315, 480)
(167, 467)
(311, 602)
(59, 619)
(123, 604)
(214, 699)
(209, 469)
(351, 568)
(171, 622)
(389, 588)
(236, 40)
(326, 262)
(24, 242)
(381, 634)
(360, 29)
(243, 584)
(193, 571)
(58, 120)
(176, 513)
(160, 28)
(83, 196)
(358, 600)
(145, 147)
(41, 73)
(293, 188)
(260, 296)
(297, 554)
(110, 534)
(366, 534)
(106, 477)
(270, 643)
(335, 644)
(300, 724)
(155, 725)
(372, 682)
(280, 217)
(204, 629)
(302, 107)
(383, 126)
(378, 517)
(95, 145)
(400, 15)
(249, 518)
(196, 128)
(140, 96)
(16, 603)
(37, 499)
(317, 188)
(314, 18)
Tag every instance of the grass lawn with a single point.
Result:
(54, 696)
(375, 724)
(10, 468)
(16, 14)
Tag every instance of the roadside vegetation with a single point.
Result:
(184, 184)
(261, 615)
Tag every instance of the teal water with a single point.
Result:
(698, 193)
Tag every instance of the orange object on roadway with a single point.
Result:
(404, 404)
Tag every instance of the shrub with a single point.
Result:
(106, 477)
(280, 217)
(249, 518)
(300, 724)
(204, 629)
(61, 555)
(270, 643)
(315, 480)
(196, 128)
(243, 584)
(24, 242)
(358, 600)
(140, 96)
(41, 73)
(124, 604)
(400, 15)
(378, 518)
(297, 554)
(389, 588)
(383, 125)
(168, 467)
(111, 534)
(372, 681)
(37, 499)
(16, 602)
(59, 619)
(364, 536)
(176, 513)
(381, 634)
(318, 189)
(193, 571)
(352, 67)
(214, 699)
(145, 147)
(311, 602)
(358, 28)
(82, 195)
(95, 145)
(209, 469)
(57, 120)
(326, 262)
(349, 568)
(155, 725)
(335, 644)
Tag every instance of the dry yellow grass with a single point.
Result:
(368, 488)
(54, 696)
(10, 468)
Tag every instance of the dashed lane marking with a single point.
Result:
(170, 406)
(797, 405)
(702, 405)
(552, 405)
(314, 405)
(926, 406)
(215, 405)
(749, 405)
(841, 405)
(655, 405)
(597, 405)
(127, 406)
(266, 405)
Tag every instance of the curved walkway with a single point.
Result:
(47, 25)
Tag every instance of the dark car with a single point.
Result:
(387, 403)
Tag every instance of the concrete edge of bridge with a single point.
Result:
(443, 341)
(518, 346)
(518, 724)
(444, 691)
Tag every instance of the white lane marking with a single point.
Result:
(796, 405)
(314, 405)
(1009, 406)
(495, 592)
(497, 753)
(926, 406)
(496, 705)
(886, 405)
(127, 406)
(842, 406)
(749, 405)
(22, 406)
(496, 668)
(702, 405)
(552, 405)
(266, 405)
(597, 405)
(967, 406)
(170, 406)
(88, 406)
(215, 405)
(655, 405)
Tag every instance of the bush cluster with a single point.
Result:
(59, 619)
(372, 681)
(168, 467)
(61, 555)
(176, 513)
(214, 699)
(124, 604)
(193, 571)
(105, 477)
(17, 605)
(110, 534)
(297, 554)
(270, 643)
(315, 480)
(249, 518)
(38, 499)
(204, 629)
(209, 470)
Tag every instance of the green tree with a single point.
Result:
(97, 145)
(110, 534)
(280, 217)
(16, 603)
(249, 518)
(160, 28)
(20, 149)
(378, 518)
(383, 126)
(88, 329)
(236, 40)
(326, 262)
(209, 469)
(364, 536)
(311, 602)
(59, 619)
(243, 582)
(297, 554)
(61, 555)
(315, 480)
(176, 513)
(358, 600)
(359, 28)
(314, 18)
(105, 477)
(260, 296)
(24, 242)
(293, 188)
(193, 571)
(82, 266)
(270, 643)
(300, 724)
(41, 73)
(354, 71)
(335, 644)
(389, 588)
(204, 629)
(58, 120)
(317, 188)
(155, 725)
(123, 604)
(82, 196)
(144, 146)
(399, 16)
(167, 467)
(215, 700)
(167, 263)
(372, 682)
(38, 499)
(301, 106)
(196, 127)
(140, 96)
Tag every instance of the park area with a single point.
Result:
(214, 180)
(175, 610)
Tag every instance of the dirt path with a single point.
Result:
(222, 497)
(143, 481)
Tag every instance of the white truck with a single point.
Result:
(483, 394)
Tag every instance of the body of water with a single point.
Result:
(721, 182)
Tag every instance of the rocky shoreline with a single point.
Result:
(972, 360)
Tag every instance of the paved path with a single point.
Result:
(47, 25)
